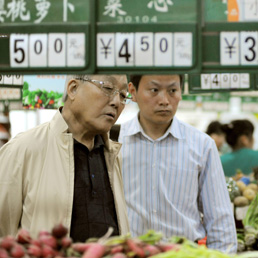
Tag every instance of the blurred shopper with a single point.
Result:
(172, 172)
(214, 130)
(239, 136)
(67, 170)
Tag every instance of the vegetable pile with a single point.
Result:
(56, 244)
(241, 190)
(248, 239)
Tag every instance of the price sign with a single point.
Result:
(11, 80)
(239, 48)
(12, 94)
(157, 34)
(230, 36)
(52, 36)
(221, 82)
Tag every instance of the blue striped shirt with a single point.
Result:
(171, 181)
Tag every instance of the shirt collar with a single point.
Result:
(98, 142)
(175, 129)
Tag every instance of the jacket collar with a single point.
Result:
(60, 127)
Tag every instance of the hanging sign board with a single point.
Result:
(231, 32)
(47, 36)
(221, 82)
(15, 81)
(142, 36)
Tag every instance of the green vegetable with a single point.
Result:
(251, 218)
(151, 237)
(250, 239)
(233, 189)
(240, 245)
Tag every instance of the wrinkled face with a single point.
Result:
(158, 97)
(92, 108)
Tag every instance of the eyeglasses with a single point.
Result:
(110, 90)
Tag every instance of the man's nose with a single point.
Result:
(164, 97)
(115, 98)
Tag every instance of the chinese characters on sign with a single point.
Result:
(115, 7)
(22, 10)
(160, 6)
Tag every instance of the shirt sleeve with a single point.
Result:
(10, 191)
(214, 202)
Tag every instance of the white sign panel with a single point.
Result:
(17, 79)
(215, 81)
(76, 49)
(163, 49)
(250, 8)
(205, 81)
(10, 93)
(244, 81)
(183, 48)
(38, 50)
(249, 47)
(225, 80)
(56, 49)
(8, 79)
(105, 49)
(229, 48)
(144, 49)
(124, 49)
(235, 80)
(19, 50)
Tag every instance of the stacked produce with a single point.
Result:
(57, 245)
(248, 239)
(241, 190)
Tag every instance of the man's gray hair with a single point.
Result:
(71, 77)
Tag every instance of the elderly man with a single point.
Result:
(67, 170)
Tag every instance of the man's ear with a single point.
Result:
(132, 90)
(72, 89)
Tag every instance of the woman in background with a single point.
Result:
(214, 130)
(239, 136)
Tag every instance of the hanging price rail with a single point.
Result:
(230, 36)
(222, 82)
(148, 35)
(47, 36)
(11, 87)
(15, 81)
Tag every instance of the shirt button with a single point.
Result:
(153, 188)
(94, 193)
(92, 175)
(154, 211)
